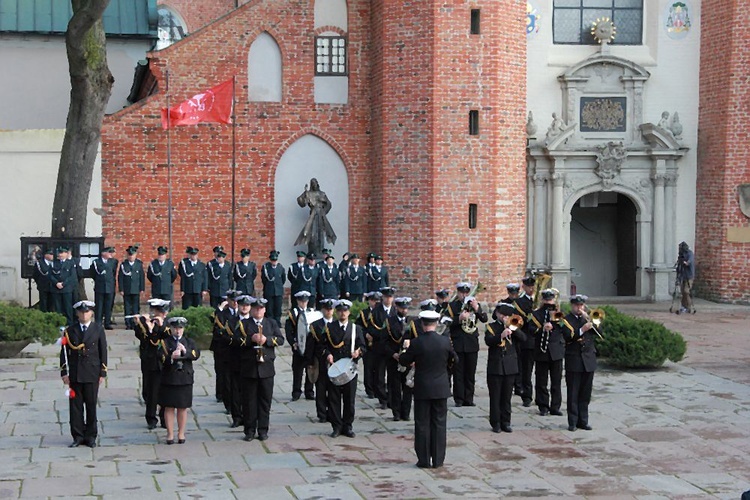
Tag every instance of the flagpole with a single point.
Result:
(169, 167)
(234, 161)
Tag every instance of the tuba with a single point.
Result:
(469, 324)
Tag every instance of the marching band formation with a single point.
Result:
(421, 360)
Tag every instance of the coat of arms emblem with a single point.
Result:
(678, 20)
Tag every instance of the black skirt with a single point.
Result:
(176, 396)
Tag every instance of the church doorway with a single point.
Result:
(603, 245)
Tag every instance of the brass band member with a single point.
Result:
(344, 339)
(523, 302)
(580, 363)
(226, 358)
(176, 390)
(399, 393)
(465, 312)
(257, 338)
(502, 364)
(319, 332)
(549, 351)
(366, 321)
(443, 300)
(378, 351)
(273, 278)
(149, 330)
(83, 366)
(298, 357)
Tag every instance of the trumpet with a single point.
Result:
(259, 347)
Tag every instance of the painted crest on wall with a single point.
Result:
(678, 21)
(532, 20)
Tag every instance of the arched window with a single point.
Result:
(264, 70)
(572, 20)
(171, 28)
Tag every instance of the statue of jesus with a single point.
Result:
(317, 228)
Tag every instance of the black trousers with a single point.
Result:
(368, 372)
(553, 371)
(579, 386)
(192, 300)
(221, 371)
(399, 394)
(46, 302)
(232, 398)
(321, 391)
(132, 303)
(273, 309)
(150, 394)
(103, 312)
(464, 378)
(336, 393)
(501, 392)
(298, 373)
(378, 365)
(83, 428)
(526, 367)
(64, 305)
(517, 383)
(430, 417)
(257, 394)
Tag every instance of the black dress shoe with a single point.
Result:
(152, 426)
(556, 413)
(543, 412)
(76, 443)
(349, 433)
(496, 429)
(585, 427)
(459, 403)
(396, 418)
(109, 327)
(383, 406)
(336, 433)
(170, 441)
(248, 437)
(527, 403)
(296, 397)
(91, 443)
(309, 397)
(506, 428)
(423, 466)
(181, 441)
(472, 403)
(572, 428)
(235, 423)
(262, 437)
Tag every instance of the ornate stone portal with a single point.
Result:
(600, 143)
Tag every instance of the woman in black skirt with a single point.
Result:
(176, 390)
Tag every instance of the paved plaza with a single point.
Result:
(678, 432)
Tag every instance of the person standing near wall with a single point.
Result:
(686, 275)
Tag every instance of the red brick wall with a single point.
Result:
(414, 74)
(198, 13)
(723, 155)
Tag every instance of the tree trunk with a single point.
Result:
(91, 85)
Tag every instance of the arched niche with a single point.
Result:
(308, 157)
(331, 13)
(264, 70)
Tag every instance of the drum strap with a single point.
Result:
(354, 334)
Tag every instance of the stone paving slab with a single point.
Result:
(680, 431)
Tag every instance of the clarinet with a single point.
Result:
(545, 334)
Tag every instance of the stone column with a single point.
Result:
(540, 204)
(670, 214)
(657, 255)
(558, 238)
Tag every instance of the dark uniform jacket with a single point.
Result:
(246, 328)
(273, 280)
(104, 275)
(65, 272)
(376, 278)
(580, 350)
(221, 340)
(338, 341)
(178, 371)
(355, 280)
(524, 305)
(501, 360)
(380, 322)
(193, 276)
(398, 330)
(329, 282)
(308, 280)
(319, 332)
(434, 356)
(87, 353)
(290, 328)
(42, 270)
(244, 277)
(131, 278)
(161, 277)
(150, 349)
(219, 278)
(462, 341)
(293, 275)
(555, 340)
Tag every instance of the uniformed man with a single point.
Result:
(258, 337)
(524, 305)
(132, 283)
(273, 278)
(377, 275)
(245, 273)
(354, 279)
(104, 272)
(370, 262)
(379, 352)
(83, 366)
(365, 320)
(343, 266)
(219, 274)
(64, 280)
(329, 280)
(299, 363)
(319, 331)
(580, 362)
(442, 300)
(433, 357)
(227, 359)
(308, 276)
(465, 343)
(42, 268)
(399, 392)
(502, 364)
(293, 275)
(324, 256)
(344, 340)
(549, 351)
(193, 279)
(149, 330)
(162, 273)
(415, 325)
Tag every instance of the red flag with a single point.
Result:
(214, 105)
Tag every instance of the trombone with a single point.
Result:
(515, 322)
(596, 317)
